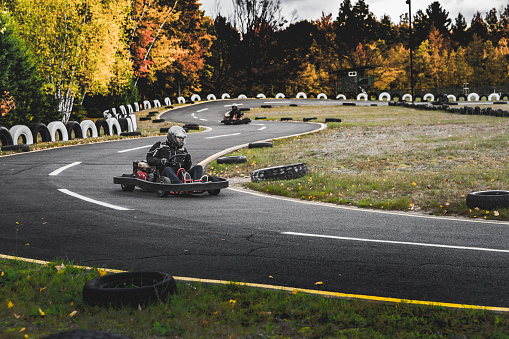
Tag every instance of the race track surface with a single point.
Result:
(62, 203)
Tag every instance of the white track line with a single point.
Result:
(61, 169)
(82, 197)
(221, 136)
(396, 242)
(133, 149)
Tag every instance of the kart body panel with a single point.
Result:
(128, 179)
(227, 121)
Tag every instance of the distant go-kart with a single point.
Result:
(227, 121)
(148, 178)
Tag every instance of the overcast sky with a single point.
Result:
(312, 9)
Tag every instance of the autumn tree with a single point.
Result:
(80, 46)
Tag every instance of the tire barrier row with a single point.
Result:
(285, 172)
(467, 110)
(56, 130)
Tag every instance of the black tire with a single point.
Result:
(293, 105)
(42, 129)
(244, 109)
(213, 178)
(146, 118)
(84, 334)
(308, 119)
(19, 147)
(156, 121)
(286, 119)
(101, 123)
(499, 102)
(260, 144)
(488, 200)
(234, 159)
(164, 130)
(143, 287)
(266, 106)
(285, 172)
(349, 104)
(192, 126)
(124, 125)
(163, 193)
(127, 188)
(74, 126)
(5, 137)
(332, 120)
(130, 134)
(260, 118)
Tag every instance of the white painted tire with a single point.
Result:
(494, 97)
(136, 107)
(112, 122)
(280, 96)
(451, 97)
(58, 126)
(23, 131)
(157, 103)
(132, 117)
(261, 96)
(322, 96)
(123, 111)
(301, 95)
(211, 97)
(167, 101)
(473, 97)
(195, 97)
(407, 96)
(341, 97)
(129, 109)
(428, 95)
(225, 96)
(88, 125)
(146, 104)
(362, 96)
(181, 100)
(384, 95)
(242, 96)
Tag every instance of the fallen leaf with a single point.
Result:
(41, 311)
(10, 304)
(319, 283)
(73, 313)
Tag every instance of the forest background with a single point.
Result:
(63, 59)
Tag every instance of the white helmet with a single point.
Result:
(176, 136)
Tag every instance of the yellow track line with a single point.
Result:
(302, 290)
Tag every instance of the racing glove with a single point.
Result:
(164, 162)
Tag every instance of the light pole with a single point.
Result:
(409, 2)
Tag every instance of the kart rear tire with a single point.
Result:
(163, 193)
(213, 178)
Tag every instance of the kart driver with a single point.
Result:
(235, 112)
(170, 156)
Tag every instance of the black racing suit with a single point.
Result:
(178, 158)
(235, 113)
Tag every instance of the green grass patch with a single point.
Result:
(38, 300)
(388, 157)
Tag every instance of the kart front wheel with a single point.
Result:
(160, 192)
(127, 187)
(213, 178)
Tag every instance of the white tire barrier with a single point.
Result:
(429, 96)
(107, 114)
(113, 123)
(157, 103)
(136, 107)
(407, 96)
(473, 97)
(362, 96)
(22, 131)
(225, 96)
(129, 125)
(123, 111)
(242, 96)
(322, 96)
(129, 109)
(384, 95)
(451, 97)
(211, 97)
(195, 97)
(494, 97)
(114, 112)
(301, 95)
(341, 97)
(261, 96)
(181, 100)
(132, 117)
(55, 127)
(280, 96)
(146, 104)
(167, 101)
(87, 125)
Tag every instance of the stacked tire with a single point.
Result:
(285, 172)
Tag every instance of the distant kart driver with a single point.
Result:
(170, 156)
(235, 113)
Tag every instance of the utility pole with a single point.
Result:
(409, 2)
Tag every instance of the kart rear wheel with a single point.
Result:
(213, 178)
(163, 193)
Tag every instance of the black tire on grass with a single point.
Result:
(260, 144)
(234, 159)
(129, 288)
(488, 200)
(285, 172)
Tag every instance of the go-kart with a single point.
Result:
(235, 121)
(148, 178)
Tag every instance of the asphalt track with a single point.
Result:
(62, 203)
